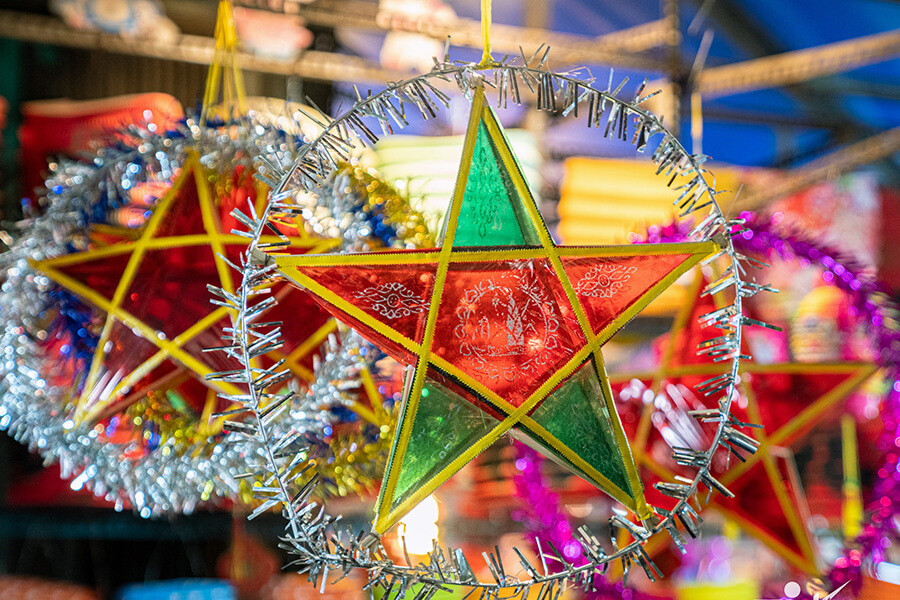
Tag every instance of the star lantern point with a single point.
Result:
(501, 330)
(151, 284)
(786, 399)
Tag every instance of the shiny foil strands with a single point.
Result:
(504, 314)
(366, 213)
(140, 429)
(318, 545)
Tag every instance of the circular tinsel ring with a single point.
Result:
(874, 306)
(319, 548)
(176, 475)
(881, 314)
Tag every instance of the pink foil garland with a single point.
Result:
(545, 520)
(871, 302)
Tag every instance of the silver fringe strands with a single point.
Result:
(320, 547)
(33, 408)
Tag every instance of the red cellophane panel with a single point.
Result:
(507, 324)
(396, 295)
(102, 276)
(607, 286)
(183, 216)
(755, 502)
(388, 346)
(684, 351)
(783, 396)
(169, 290)
(300, 317)
(126, 351)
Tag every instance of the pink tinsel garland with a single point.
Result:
(541, 512)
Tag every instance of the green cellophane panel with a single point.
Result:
(576, 415)
(492, 212)
(445, 426)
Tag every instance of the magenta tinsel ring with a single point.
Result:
(873, 304)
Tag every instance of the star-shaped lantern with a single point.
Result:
(152, 291)
(502, 329)
(787, 399)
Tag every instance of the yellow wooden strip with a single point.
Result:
(824, 368)
(385, 518)
(342, 304)
(771, 541)
(175, 241)
(362, 259)
(641, 508)
(323, 245)
(117, 231)
(852, 514)
(75, 286)
(494, 255)
(640, 505)
(796, 525)
(298, 370)
(213, 228)
(700, 249)
(703, 248)
(746, 366)
(375, 398)
(82, 257)
(365, 412)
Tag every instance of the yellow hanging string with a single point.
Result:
(486, 59)
(225, 70)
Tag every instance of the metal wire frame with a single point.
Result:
(312, 536)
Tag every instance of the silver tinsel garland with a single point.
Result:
(34, 410)
(313, 537)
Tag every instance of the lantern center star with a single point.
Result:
(152, 287)
(786, 399)
(501, 329)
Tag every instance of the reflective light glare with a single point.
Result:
(419, 527)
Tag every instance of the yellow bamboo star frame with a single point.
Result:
(443, 257)
(88, 407)
(770, 442)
